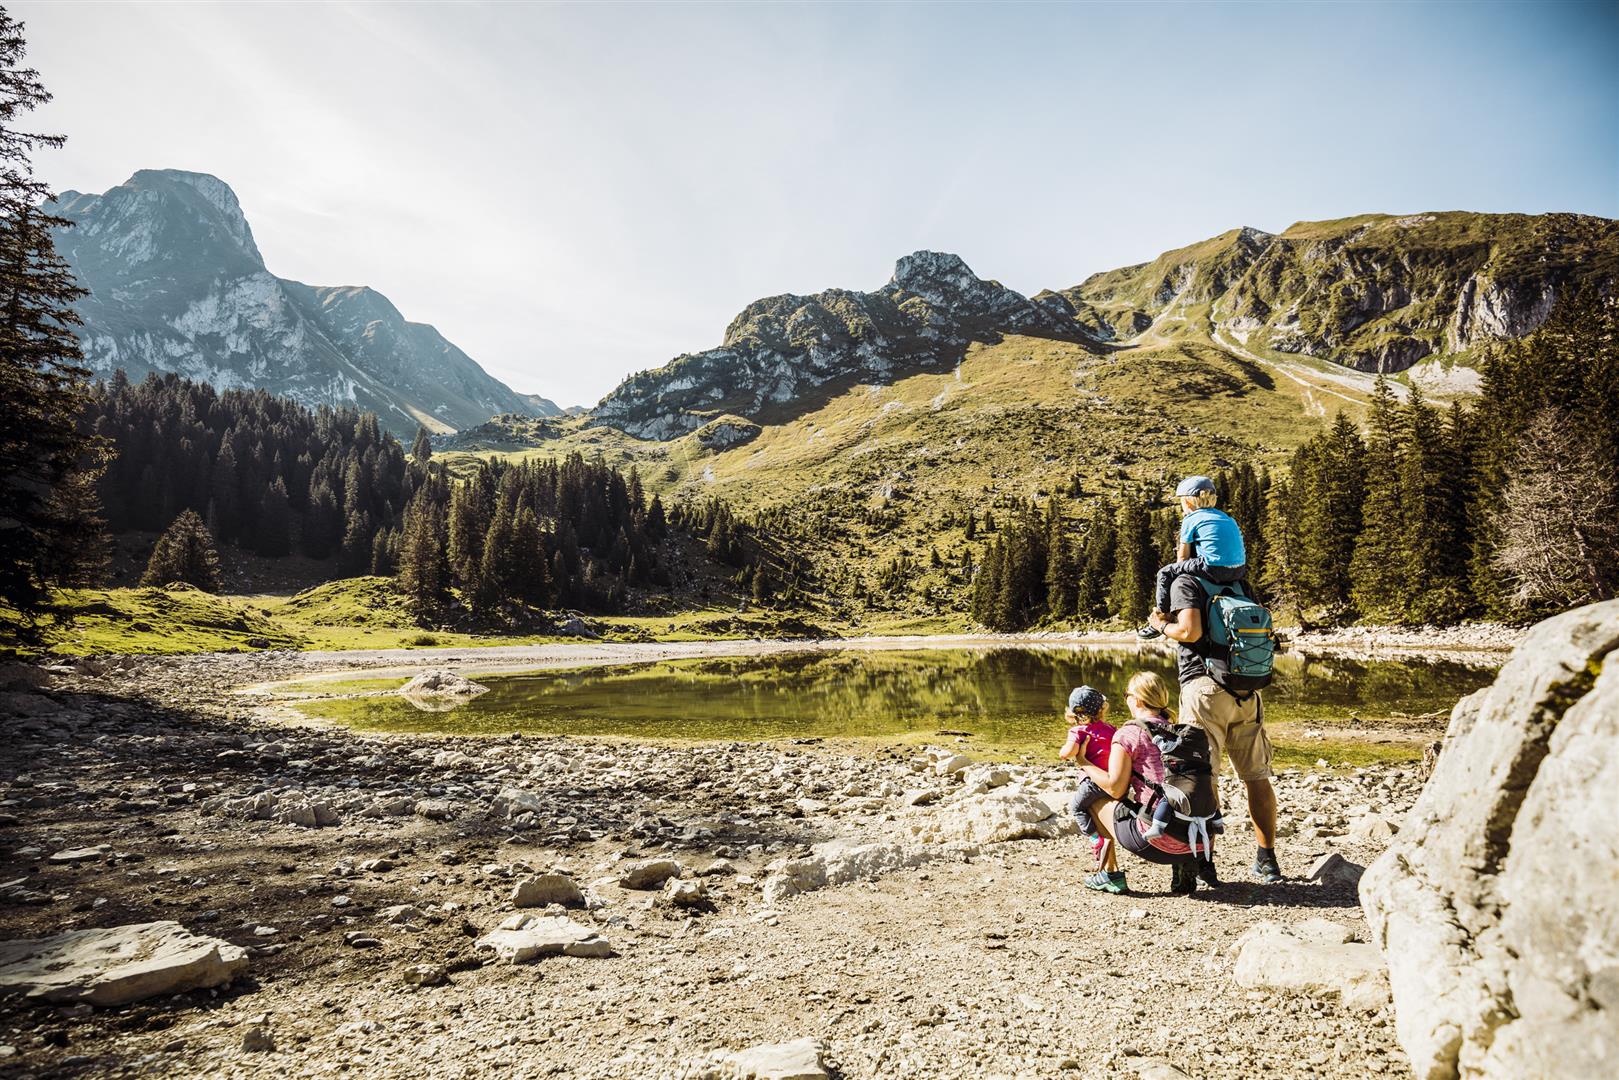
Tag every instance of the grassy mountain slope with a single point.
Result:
(882, 472)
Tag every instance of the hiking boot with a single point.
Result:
(1108, 881)
(1266, 870)
(1182, 879)
(1206, 873)
(1149, 633)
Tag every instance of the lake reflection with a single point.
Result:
(1007, 696)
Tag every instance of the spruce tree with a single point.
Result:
(1279, 576)
(1328, 491)
(184, 554)
(50, 530)
(421, 448)
(1096, 566)
(274, 534)
(1378, 566)
(1129, 594)
(424, 565)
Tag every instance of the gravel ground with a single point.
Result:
(985, 959)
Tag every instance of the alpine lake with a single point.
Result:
(1003, 701)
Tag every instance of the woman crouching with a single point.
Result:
(1123, 773)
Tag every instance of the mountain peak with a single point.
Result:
(922, 272)
(216, 196)
(176, 283)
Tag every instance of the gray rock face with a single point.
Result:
(1497, 905)
(118, 965)
(177, 284)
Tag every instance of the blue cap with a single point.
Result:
(1193, 486)
(1087, 700)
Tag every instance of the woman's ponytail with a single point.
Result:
(1147, 688)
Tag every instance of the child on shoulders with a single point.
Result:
(1211, 546)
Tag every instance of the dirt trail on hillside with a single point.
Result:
(967, 957)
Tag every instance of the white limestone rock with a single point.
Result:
(527, 937)
(118, 965)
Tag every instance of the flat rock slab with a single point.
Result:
(796, 1060)
(526, 937)
(117, 965)
(78, 855)
(1270, 957)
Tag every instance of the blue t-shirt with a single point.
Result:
(1214, 536)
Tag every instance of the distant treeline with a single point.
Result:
(276, 478)
(1506, 509)
(261, 471)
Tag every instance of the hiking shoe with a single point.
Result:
(1182, 879)
(1108, 881)
(1266, 870)
(1148, 633)
(1206, 873)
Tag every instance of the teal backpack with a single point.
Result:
(1239, 644)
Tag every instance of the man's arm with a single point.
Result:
(1186, 627)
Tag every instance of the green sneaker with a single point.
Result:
(1109, 881)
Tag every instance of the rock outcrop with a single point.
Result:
(118, 965)
(1497, 905)
(177, 284)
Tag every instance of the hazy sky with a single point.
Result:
(573, 193)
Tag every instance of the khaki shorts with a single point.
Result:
(1236, 728)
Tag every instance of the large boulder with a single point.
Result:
(1497, 904)
(988, 819)
(117, 965)
(441, 682)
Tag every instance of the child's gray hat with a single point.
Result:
(1087, 700)
(1193, 486)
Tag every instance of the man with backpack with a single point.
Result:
(1225, 654)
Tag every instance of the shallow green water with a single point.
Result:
(1004, 696)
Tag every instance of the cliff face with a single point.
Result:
(783, 349)
(1374, 293)
(177, 284)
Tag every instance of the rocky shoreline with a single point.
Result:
(715, 897)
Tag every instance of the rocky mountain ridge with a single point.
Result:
(785, 349)
(177, 283)
(1377, 293)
